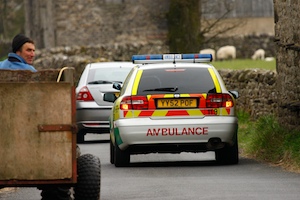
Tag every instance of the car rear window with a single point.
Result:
(177, 80)
(108, 74)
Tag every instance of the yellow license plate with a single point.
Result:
(177, 103)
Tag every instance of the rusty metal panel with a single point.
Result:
(56, 127)
(25, 152)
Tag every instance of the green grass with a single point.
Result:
(266, 140)
(239, 64)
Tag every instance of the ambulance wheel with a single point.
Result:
(121, 158)
(88, 178)
(112, 152)
(229, 155)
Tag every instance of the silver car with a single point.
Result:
(91, 111)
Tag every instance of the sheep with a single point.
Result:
(259, 54)
(226, 52)
(209, 51)
(268, 59)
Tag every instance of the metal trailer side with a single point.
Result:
(37, 129)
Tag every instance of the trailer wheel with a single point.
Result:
(89, 178)
(58, 193)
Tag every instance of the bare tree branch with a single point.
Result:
(212, 28)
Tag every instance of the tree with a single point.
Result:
(11, 18)
(40, 22)
(11, 23)
(183, 26)
(188, 29)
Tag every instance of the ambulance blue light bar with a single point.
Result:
(171, 58)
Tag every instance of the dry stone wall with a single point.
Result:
(246, 45)
(257, 90)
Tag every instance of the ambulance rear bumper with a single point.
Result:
(196, 134)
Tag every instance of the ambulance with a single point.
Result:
(173, 103)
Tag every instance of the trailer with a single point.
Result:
(38, 145)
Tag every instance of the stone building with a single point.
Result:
(94, 22)
(90, 22)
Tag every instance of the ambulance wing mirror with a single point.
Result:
(234, 93)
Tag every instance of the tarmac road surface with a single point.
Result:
(185, 176)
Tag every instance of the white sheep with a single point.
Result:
(226, 52)
(209, 51)
(269, 59)
(259, 54)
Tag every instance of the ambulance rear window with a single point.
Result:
(179, 80)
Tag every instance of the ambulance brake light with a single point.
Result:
(219, 100)
(171, 58)
(134, 103)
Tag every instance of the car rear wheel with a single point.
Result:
(121, 158)
(80, 137)
(58, 193)
(229, 155)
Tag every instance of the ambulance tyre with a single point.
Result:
(229, 155)
(88, 178)
(112, 152)
(121, 158)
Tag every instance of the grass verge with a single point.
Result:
(239, 64)
(267, 141)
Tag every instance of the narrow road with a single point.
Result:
(185, 176)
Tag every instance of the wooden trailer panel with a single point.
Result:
(36, 141)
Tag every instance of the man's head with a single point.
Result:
(24, 47)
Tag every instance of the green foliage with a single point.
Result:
(266, 140)
(243, 117)
(291, 145)
(245, 64)
(184, 26)
(245, 130)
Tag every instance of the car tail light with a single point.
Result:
(84, 95)
(219, 100)
(134, 103)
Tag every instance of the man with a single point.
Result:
(22, 56)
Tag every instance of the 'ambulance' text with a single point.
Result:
(177, 132)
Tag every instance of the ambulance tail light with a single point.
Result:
(84, 95)
(219, 100)
(134, 103)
